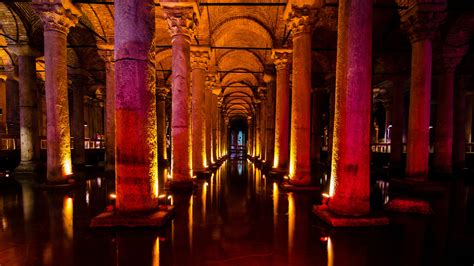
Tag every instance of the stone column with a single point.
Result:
(350, 171)
(469, 110)
(162, 94)
(300, 21)
(29, 116)
(420, 21)
(270, 119)
(215, 120)
(210, 83)
(262, 93)
(459, 144)
(77, 121)
(396, 131)
(316, 127)
(136, 168)
(443, 143)
(107, 53)
(199, 60)
(282, 59)
(57, 19)
(388, 119)
(249, 135)
(13, 101)
(181, 22)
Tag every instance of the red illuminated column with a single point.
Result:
(136, 169)
(300, 22)
(162, 94)
(443, 143)
(420, 21)
(350, 171)
(181, 22)
(107, 53)
(282, 60)
(57, 19)
(28, 101)
(199, 60)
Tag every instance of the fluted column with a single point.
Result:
(199, 60)
(282, 60)
(162, 94)
(350, 170)
(136, 168)
(443, 143)
(107, 53)
(420, 20)
(181, 22)
(57, 20)
(300, 22)
(29, 116)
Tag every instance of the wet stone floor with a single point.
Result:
(237, 217)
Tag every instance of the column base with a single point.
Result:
(155, 218)
(26, 168)
(409, 205)
(181, 185)
(202, 174)
(337, 220)
(278, 173)
(288, 186)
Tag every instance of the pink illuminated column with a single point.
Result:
(420, 22)
(300, 22)
(107, 53)
(136, 169)
(28, 101)
(282, 58)
(350, 169)
(181, 21)
(199, 60)
(57, 19)
(162, 95)
(443, 144)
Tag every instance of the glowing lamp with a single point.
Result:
(324, 238)
(162, 196)
(113, 196)
(286, 177)
(326, 198)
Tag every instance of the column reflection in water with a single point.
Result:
(204, 201)
(291, 225)
(156, 252)
(330, 252)
(68, 212)
(190, 222)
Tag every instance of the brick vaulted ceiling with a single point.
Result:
(241, 35)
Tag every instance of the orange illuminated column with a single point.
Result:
(210, 84)
(350, 170)
(181, 22)
(12, 100)
(262, 94)
(136, 169)
(420, 21)
(162, 95)
(282, 58)
(443, 143)
(215, 119)
(199, 60)
(57, 19)
(269, 119)
(257, 128)
(28, 101)
(107, 53)
(249, 135)
(300, 20)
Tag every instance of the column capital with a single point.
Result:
(106, 52)
(420, 18)
(199, 57)
(300, 19)
(162, 93)
(57, 15)
(282, 58)
(262, 93)
(451, 57)
(182, 18)
(211, 81)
